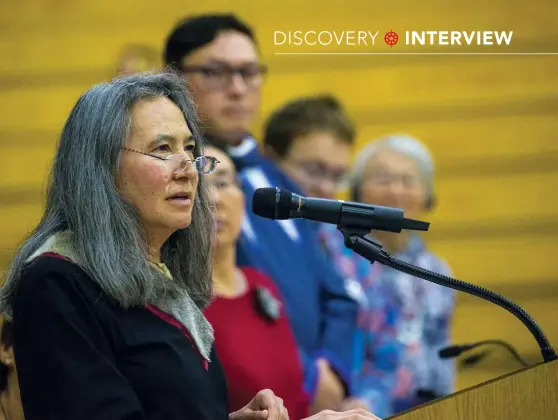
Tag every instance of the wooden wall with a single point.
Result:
(490, 121)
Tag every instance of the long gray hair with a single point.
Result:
(106, 232)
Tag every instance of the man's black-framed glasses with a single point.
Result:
(221, 76)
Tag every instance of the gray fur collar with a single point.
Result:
(183, 308)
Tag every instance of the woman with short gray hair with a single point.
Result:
(403, 320)
(106, 294)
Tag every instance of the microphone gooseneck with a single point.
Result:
(373, 252)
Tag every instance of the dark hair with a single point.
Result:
(305, 116)
(195, 32)
(6, 341)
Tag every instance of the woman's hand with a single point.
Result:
(264, 406)
(358, 414)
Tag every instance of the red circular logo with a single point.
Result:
(391, 38)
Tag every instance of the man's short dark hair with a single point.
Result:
(198, 31)
(304, 116)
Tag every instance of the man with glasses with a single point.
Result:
(218, 57)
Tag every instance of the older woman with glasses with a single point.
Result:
(106, 295)
(403, 320)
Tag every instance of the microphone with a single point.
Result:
(280, 204)
(456, 350)
(356, 220)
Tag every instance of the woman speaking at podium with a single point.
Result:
(106, 294)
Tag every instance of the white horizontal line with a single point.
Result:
(416, 53)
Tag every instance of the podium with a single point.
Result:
(526, 394)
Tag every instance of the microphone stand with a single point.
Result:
(356, 239)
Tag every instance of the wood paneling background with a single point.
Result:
(491, 122)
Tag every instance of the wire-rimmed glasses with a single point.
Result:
(203, 164)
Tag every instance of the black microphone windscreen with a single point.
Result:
(272, 203)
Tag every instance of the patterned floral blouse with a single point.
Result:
(403, 322)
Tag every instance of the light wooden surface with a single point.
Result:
(530, 394)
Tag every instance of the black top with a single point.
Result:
(79, 356)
